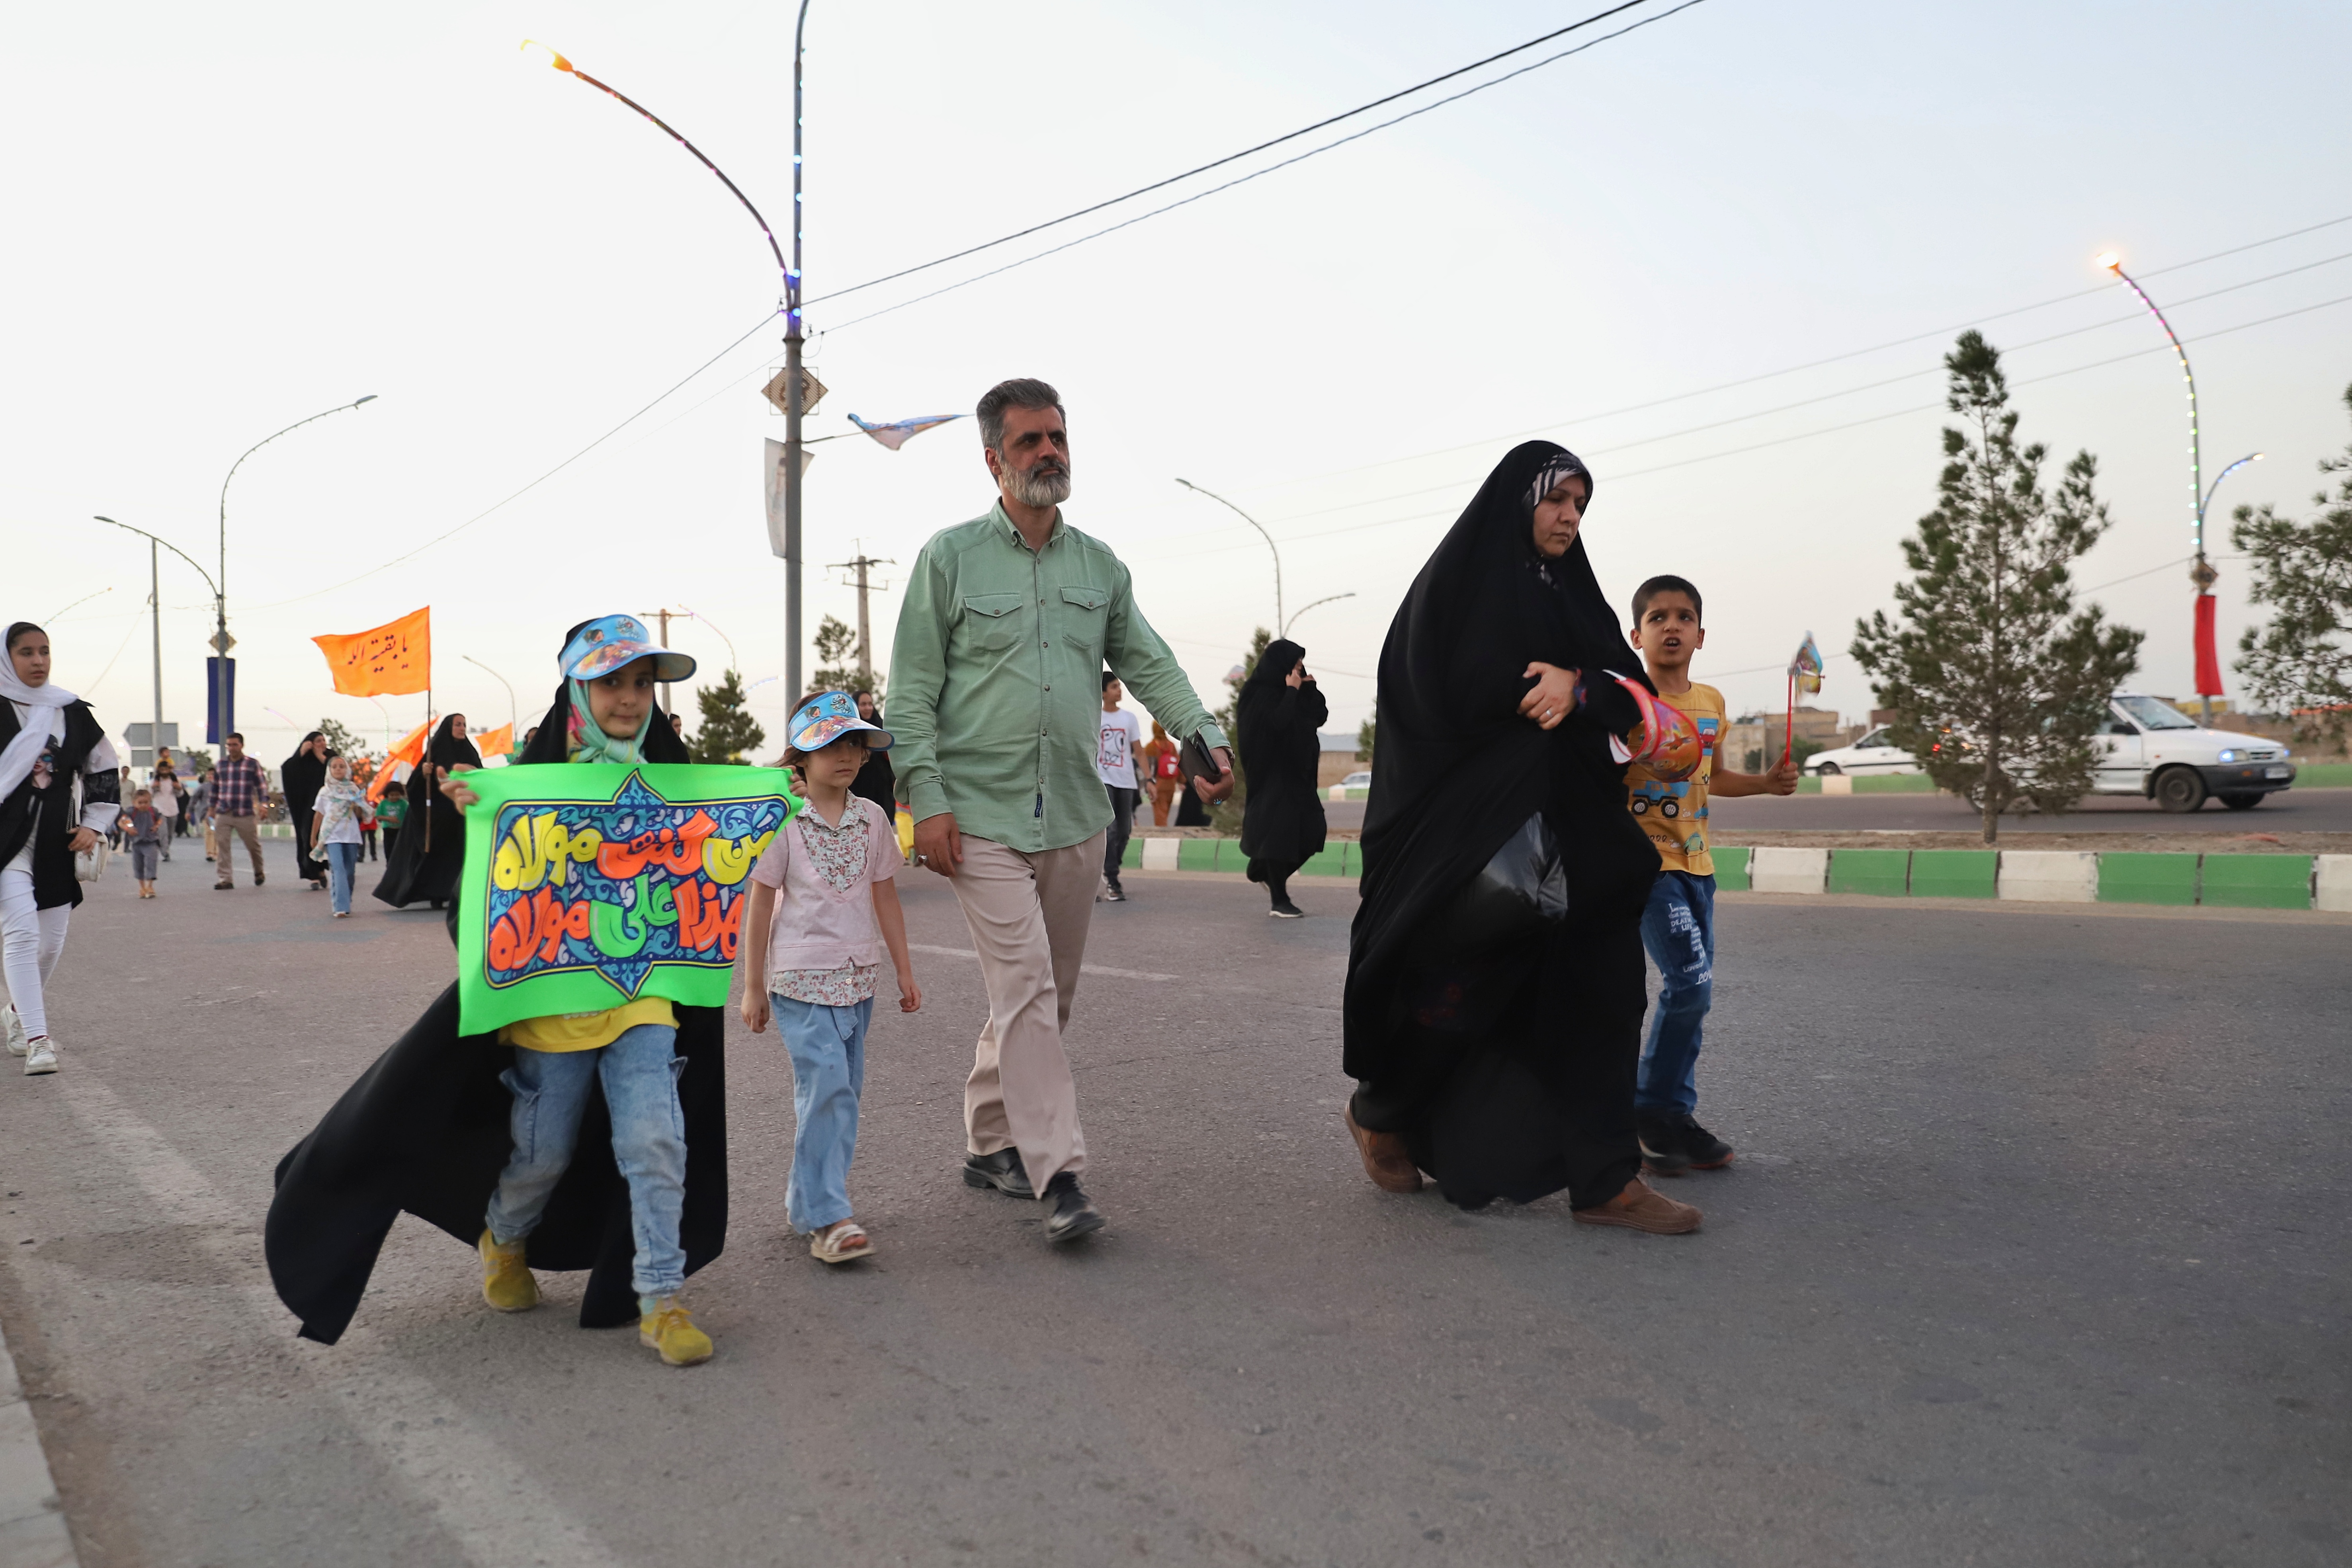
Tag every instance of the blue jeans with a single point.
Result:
(551, 1094)
(343, 865)
(1678, 929)
(828, 1050)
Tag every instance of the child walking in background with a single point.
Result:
(337, 817)
(1678, 927)
(824, 899)
(143, 825)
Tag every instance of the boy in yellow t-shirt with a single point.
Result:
(1678, 928)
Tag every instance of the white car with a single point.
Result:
(1361, 779)
(1872, 754)
(2148, 748)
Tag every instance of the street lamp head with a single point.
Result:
(557, 60)
(2109, 261)
(369, 398)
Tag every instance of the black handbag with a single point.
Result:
(1521, 891)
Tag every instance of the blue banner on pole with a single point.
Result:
(214, 726)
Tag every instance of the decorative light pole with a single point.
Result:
(1262, 533)
(155, 603)
(512, 717)
(221, 643)
(2201, 574)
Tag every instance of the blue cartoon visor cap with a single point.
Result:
(826, 718)
(610, 642)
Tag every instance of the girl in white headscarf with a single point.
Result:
(60, 790)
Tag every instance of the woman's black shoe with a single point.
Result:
(1072, 1214)
(1286, 911)
(1001, 1170)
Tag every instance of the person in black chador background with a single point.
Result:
(1493, 1033)
(875, 781)
(301, 776)
(431, 855)
(432, 1127)
(1275, 721)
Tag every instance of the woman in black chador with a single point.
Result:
(1275, 721)
(1495, 980)
(431, 855)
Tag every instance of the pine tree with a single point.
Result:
(342, 740)
(728, 734)
(1368, 734)
(836, 645)
(1999, 683)
(2300, 662)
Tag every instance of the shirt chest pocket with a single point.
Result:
(993, 622)
(1083, 612)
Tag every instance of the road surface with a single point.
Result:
(2036, 1253)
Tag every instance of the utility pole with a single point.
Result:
(792, 393)
(862, 565)
(155, 604)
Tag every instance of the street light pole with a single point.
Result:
(2201, 574)
(156, 600)
(1329, 599)
(792, 391)
(1261, 529)
(220, 589)
(2225, 473)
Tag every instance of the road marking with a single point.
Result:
(472, 1487)
(1083, 968)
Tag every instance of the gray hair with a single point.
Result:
(1021, 392)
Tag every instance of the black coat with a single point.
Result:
(1278, 730)
(430, 857)
(301, 776)
(427, 1130)
(47, 814)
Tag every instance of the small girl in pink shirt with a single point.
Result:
(824, 901)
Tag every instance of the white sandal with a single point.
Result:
(833, 1244)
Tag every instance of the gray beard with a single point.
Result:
(1034, 487)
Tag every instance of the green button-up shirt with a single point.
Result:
(996, 681)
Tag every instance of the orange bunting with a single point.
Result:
(399, 761)
(496, 743)
(391, 660)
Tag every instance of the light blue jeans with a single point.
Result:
(343, 865)
(639, 1071)
(828, 1050)
(1678, 928)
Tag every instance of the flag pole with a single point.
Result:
(1789, 745)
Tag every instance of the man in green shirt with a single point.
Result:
(995, 682)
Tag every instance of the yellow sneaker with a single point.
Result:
(507, 1284)
(669, 1328)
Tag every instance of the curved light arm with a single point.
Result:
(1294, 619)
(707, 621)
(2196, 465)
(166, 544)
(2225, 473)
(221, 590)
(502, 680)
(1262, 533)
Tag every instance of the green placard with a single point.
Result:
(589, 886)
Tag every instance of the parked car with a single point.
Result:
(1873, 754)
(2147, 748)
(1361, 779)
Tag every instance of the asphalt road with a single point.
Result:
(2294, 811)
(2036, 1254)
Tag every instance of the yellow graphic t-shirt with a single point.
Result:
(1674, 813)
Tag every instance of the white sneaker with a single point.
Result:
(41, 1057)
(15, 1027)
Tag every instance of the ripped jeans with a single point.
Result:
(551, 1094)
(1678, 929)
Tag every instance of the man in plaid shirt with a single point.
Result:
(240, 789)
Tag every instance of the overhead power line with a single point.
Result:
(1234, 157)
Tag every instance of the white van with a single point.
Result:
(2148, 748)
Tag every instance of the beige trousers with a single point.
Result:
(227, 830)
(1028, 915)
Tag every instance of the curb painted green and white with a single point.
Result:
(2233, 880)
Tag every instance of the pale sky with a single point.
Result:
(225, 219)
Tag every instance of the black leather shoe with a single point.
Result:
(1001, 1170)
(1072, 1216)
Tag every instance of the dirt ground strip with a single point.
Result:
(2135, 843)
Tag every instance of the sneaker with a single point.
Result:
(1114, 894)
(1641, 1206)
(1001, 1170)
(258, 878)
(507, 1284)
(1662, 1149)
(1072, 1216)
(15, 1030)
(1286, 911)
(669, 1328)
(40, 1057)
(1707, 1152)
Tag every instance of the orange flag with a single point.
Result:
(391, 660)
(402, 761)
(497, 743)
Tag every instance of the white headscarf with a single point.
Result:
(18, 758)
